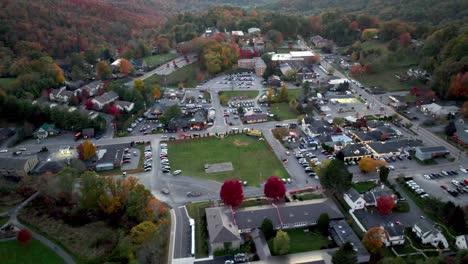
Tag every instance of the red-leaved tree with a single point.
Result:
(274, 188)
(89, 104)
(231, 193)
(356, 69)
(405, 40)
(385, 204)
(24, 236)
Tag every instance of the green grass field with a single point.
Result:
(226, 96)
(362, 187)
(11, 252)
(185, 75)
(251, 158)
(283, 111)
(158, 59)
(387, 80)
(301, 241)
(6, 83)
(294, 93)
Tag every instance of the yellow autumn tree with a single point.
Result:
(373, 239)
(86, 150)
(138, 85)
(142, 232)
(156, 92)
(369, 164)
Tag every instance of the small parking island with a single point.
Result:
(251, 159)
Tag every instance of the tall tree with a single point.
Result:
(125, 67)
(156, 93)
(103, 70)
(24, 236)
(267, 229)
(385, 204)
(283, 93)
(139, 85)
(383, 173)
(450, 129)
(323, 223)
(142, 232)
(86, 150)
(345, 255)
(274, 188)
(231, 193)
(336, 177)
(281, 243)
(92, 187)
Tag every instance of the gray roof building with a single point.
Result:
(110, 156)
(17, 167)
(353, 194)
(394, 230)
(342, 233)
(220, 227)
(395, 146)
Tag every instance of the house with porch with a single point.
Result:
(429, 234)
(46, 130)
(394, 234)
(354, 199)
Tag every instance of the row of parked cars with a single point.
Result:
(416, 188)
(164, 159)
(148, 161)
(440, 175)
(460, 188)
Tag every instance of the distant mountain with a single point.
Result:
(431, 12)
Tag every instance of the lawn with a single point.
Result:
(252, 159)
(197, 212)
(301, 241)
(3, 220)
(282, 111)
(185, 75)
(294, 93)
(11, 252)
(6, 82)
(243, 95)
(158, 59)
(362, 187)
(387, 80)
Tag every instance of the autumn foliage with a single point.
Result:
(125, 66)
(373, 239)
(274, 188)
(24, 236)
(231, 193)
(385, 204)
(459, 86)
(405, 40)
(156, 93)
(86, 150)
(369, 164)
(356, 69)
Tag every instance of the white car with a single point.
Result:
(427, 176)
(4, 151)
(463, 170)
(177, 172)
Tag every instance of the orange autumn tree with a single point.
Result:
(115, 194)
(59, 78)
(86, 150)
(156, 93)
(125, 66)
(373, 239)
(155, 209)
(369, 164)
(459, 85)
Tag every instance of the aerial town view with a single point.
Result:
(233, 131)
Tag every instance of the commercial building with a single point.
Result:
(256, 64)
(427, 153)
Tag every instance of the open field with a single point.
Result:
(283, 111)
(11, 252)
(387, 80)
(362, 187)
(251, 158)
(226, 96)
(185, 75)
(158, 59)
(301, 241)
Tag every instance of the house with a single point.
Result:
(320, 42)
(355, 152)
(285, 68)
(109, 157)
(259, 44)
(107, 98)
(341, 233)
(226, 225)
(61, 95)
(88, 132)
(73, 86)
(394, 234)
(52, 166)
(427, 153)
(373, 195)
(389, 132)
(392, 147)
(461, 242)
(305, 74)
(92, 87)
(237, 33)
(315, 127)
(46, 130)
(139, 64)
(461, 136)
(336, 141)
(221, 230)
(256, 64)
(354, 199)
(429, 234)
(250, 118)
(17, 167)
(254, 31)
(274, 81)
(124, 105)
(436, 110)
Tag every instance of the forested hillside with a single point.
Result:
(431, 12)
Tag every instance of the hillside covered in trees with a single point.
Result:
(431, 12)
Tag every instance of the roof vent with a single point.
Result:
(291, 215)
(343, 232)
(340, 227)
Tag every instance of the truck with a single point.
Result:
(255, 133)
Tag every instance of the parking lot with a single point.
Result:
(131, 159)
(244, 81)
(438, 185)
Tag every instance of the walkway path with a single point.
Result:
(13, 213)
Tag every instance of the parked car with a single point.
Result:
(444, 187)
(193, 194)
(177, 172)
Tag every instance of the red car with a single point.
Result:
(443, 187)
